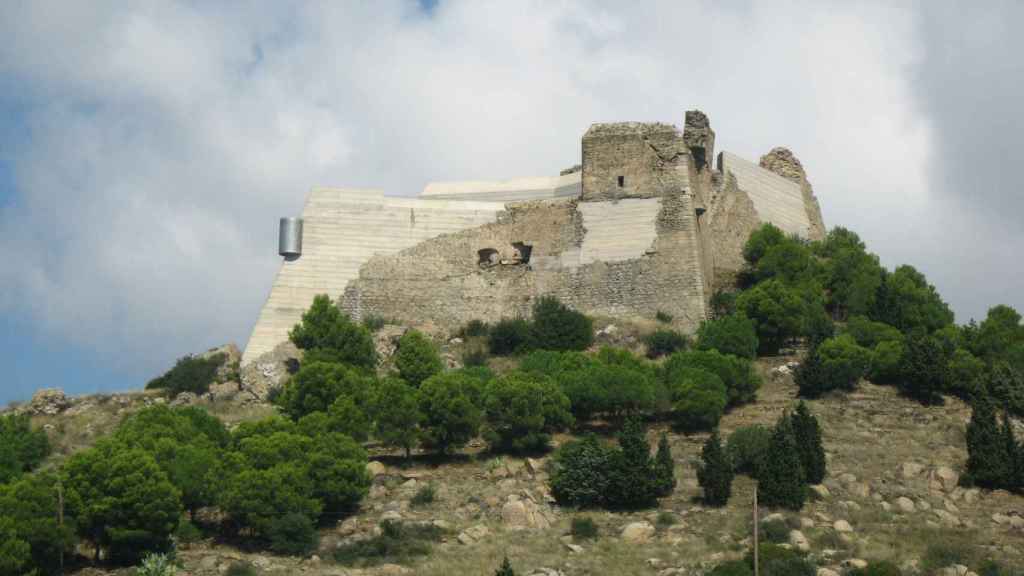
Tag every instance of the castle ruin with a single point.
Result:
(650, 221)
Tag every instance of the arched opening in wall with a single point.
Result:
(487, 257)
(523, 252)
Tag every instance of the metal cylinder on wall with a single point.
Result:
(289, 242)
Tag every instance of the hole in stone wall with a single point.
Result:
(523, 252)
(699, 157)
(487, 257)
(622, 181)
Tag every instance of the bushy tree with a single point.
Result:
(807, 435)
(664, 468)
(14, 552)
(555, 326)
(552, 363)
(733, 334)
(190, 374)
(989, 464)
(343, 417)
(317, 385)
(886, 359)
(869, 333)
(509, 336)
(1006, 384)
(580, 476)
(417, 358)
(632, 483)
(738, 374)
(698, 399)
(781, 479)
(337, 468)
(760, 241)
(522, 409)
(505, 569)
(907, 301)
(999, 334)
(30, 503)
(715, 473)
(122, 500)
(328, 334)
(396, 414)
(664, 342)
(777, 310)
(257, 496)
(451, 406)
(923, 369)
(966, 374)
(22, 449)
(836, 364)
(790, 261)
(850, 274)
(747, 448)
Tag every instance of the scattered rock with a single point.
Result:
(223, 392)
(842, 526)
(375, 468)
(905, 504)
(827, 572)
(269, 371)
(184, 399)
(48, 402)
(855, 563)
(391, 516)
(473, 534)
(517, 513)
(821, 491)
(911, 470)
(798, 541)
(946, 478)
(637, 532)
(392, 570)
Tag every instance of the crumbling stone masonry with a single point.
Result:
(648, 223)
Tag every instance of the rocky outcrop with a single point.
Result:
(783, 162)
(48, 402)
(270, 370)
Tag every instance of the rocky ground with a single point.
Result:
(892, 491)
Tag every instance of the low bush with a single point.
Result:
(885, 362)
(698, 399)
(663, 317)
(187, 532)
(747, 447)
(733, 334)
(156, 565)
(293, 534)
(475, 356)
(417, 358)
(775, 560)
(190, 374)
(836, 364)
(373, 322)
(775, 530)
(505, 569)
(450, 403)
(583, 528)
(509, 336)
(664, 519)
(714, 474)
(738, 374)
(22, 449)
(326, 333)
(555, 326)
(423, 496)
(522, 409)
(877, 568)
(397, 543)
(241, 569)
(474, 329)
(664, 342)
(869, 333)
(732, 568)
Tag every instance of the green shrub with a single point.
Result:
(738, 374)
(723, 304)
(836, 364)
(632, 482)
(397, 543)
(396, 414)
(293, 534)
(663, 317)
(22, 449)
(373, 322)
(1006, 384)
(509, 336)
(664, 342)
(327, 334)
(698, 399)
(807, 435)
(417, 358)
(760, 241)
(156, 565)
(732, 568)
(30, 534)
(781, 479)
(664, 468)
(777, 310)
(778, 561)
(885, 362)
(14, 552)
(317, 385)
(552, 363)
(505, 569)
(715, 473)
(475, 356)
(966, 374)
(993, 455)
(747, 447)
(583, 528)
(474, 329)
(451, 406)
(187, 532)
(423, 496)
(869, 333)
(733, 334)
(924, 369)
(522, 409)
(190, 374)
(907, 301)
(877, 568)
(775, 530)
(581, 469)
(554, 326)
(664, 519)
(947, 552)
(241, 569)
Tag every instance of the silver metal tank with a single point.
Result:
(289, 241)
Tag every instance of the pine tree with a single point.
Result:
(987, 460)
(664, 468)
(1014, 479)
(506, 569)
(807, 434)
(781, 482)
(632, 478)
(715, 473)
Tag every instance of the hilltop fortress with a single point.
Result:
(645, 224)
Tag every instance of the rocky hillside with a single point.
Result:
(892, 491)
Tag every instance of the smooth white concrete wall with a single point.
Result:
(615, 231)
(512, 190)
(777, 200)
(342, 230)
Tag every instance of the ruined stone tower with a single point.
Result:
(649, 223)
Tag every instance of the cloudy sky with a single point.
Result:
(147, 151)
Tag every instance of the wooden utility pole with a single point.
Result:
(756, 526)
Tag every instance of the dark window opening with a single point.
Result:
(487, 257)
(622, 181)
(523, 252)
(700, 212)
(699, 157)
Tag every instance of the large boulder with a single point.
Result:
(637, 532)
(269, 371)
(519, 513)
(48, 402)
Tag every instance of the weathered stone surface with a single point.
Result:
(270, 370)
(946, 478)
(473, 534)
(375, 468)
(638, 532)
(842, 526)
(517, 513)
(905, 504)
(48, 402)
(798, 541)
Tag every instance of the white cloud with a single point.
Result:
(168, 137)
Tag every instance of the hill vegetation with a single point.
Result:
(170, 475)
